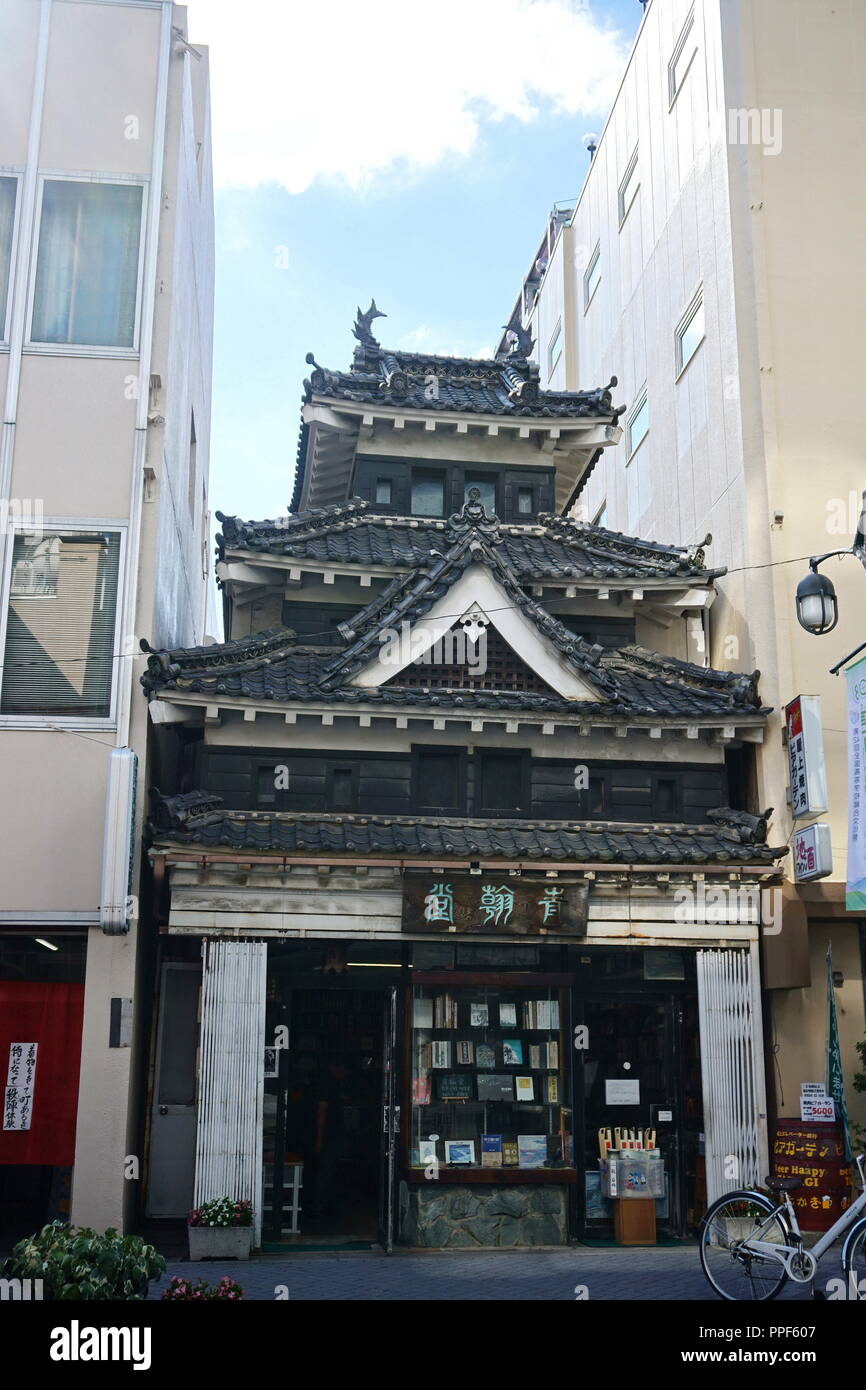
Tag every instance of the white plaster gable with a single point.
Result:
(479, 598)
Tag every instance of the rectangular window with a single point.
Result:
(438, 782)
(525, 501)
(486, 487)
(428, 494)
(191, 469)
(591, 277)
(597, 797)
(383, 492)
(637, 425)
(690, 332)
(500, 783)
(554, 350)
(87, 264)
(60, 628)
(344, 789)
(665, 799)
(629, 187)
(681, 59)
(8, 191)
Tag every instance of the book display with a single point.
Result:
(487, 1090)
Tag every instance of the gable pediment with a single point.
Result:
(475, 605)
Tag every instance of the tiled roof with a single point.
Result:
(603, 842)
(550, 548)
(475, 385)
(507, 385)
(273, 667)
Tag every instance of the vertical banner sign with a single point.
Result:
(806, 768)
(835, 1079)
(855, 888)
(20, 1080)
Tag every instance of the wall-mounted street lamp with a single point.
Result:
(817, 605)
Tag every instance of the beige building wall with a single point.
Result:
(758, 440)
(104, 91)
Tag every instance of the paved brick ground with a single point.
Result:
(547, 1275)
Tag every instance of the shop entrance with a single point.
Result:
(641, 1070)
(330, 1124)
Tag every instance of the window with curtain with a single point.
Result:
(8, 191)
(58, 655)
(87, 264)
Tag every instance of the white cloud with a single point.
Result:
(423, 339)
(347, 91)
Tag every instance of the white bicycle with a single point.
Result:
(751, 1246)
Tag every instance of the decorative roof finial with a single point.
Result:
(473, 515)
(362, 326)
(519, 339)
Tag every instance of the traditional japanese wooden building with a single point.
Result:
(454, 837)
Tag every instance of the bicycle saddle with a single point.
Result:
(783, 1184)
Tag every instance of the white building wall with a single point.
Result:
(71, 422)
(759, 440)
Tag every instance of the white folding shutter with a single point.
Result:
(228, 1157)
(732, 1070)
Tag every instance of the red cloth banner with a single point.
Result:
(50, 1015)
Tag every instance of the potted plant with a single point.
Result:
(75, 1262)
(221, 1229)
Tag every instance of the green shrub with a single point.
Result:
(75, 1262)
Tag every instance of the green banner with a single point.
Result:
(835, 1079)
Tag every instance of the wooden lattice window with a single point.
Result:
(500, 668)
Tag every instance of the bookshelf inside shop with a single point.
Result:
(488, 1095)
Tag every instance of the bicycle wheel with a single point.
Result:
(855, 1251)
(736, 1273)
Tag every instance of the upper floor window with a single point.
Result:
(666, 801)
(501, 783)
(690, 332)
(591, 277)
(526, 501)
(637, 424)
(629, 187)
(600, 518)
(428, 493)
(681, 59)
(439, 781)
(383, 492)
(60, 622)
(87, 263)
(343, 790)
(8, 190)
(554, 349)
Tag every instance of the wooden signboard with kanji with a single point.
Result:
(493, 904)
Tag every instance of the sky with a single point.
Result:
(407, 151)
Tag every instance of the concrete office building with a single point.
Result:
(106, 275)
(714, 261)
